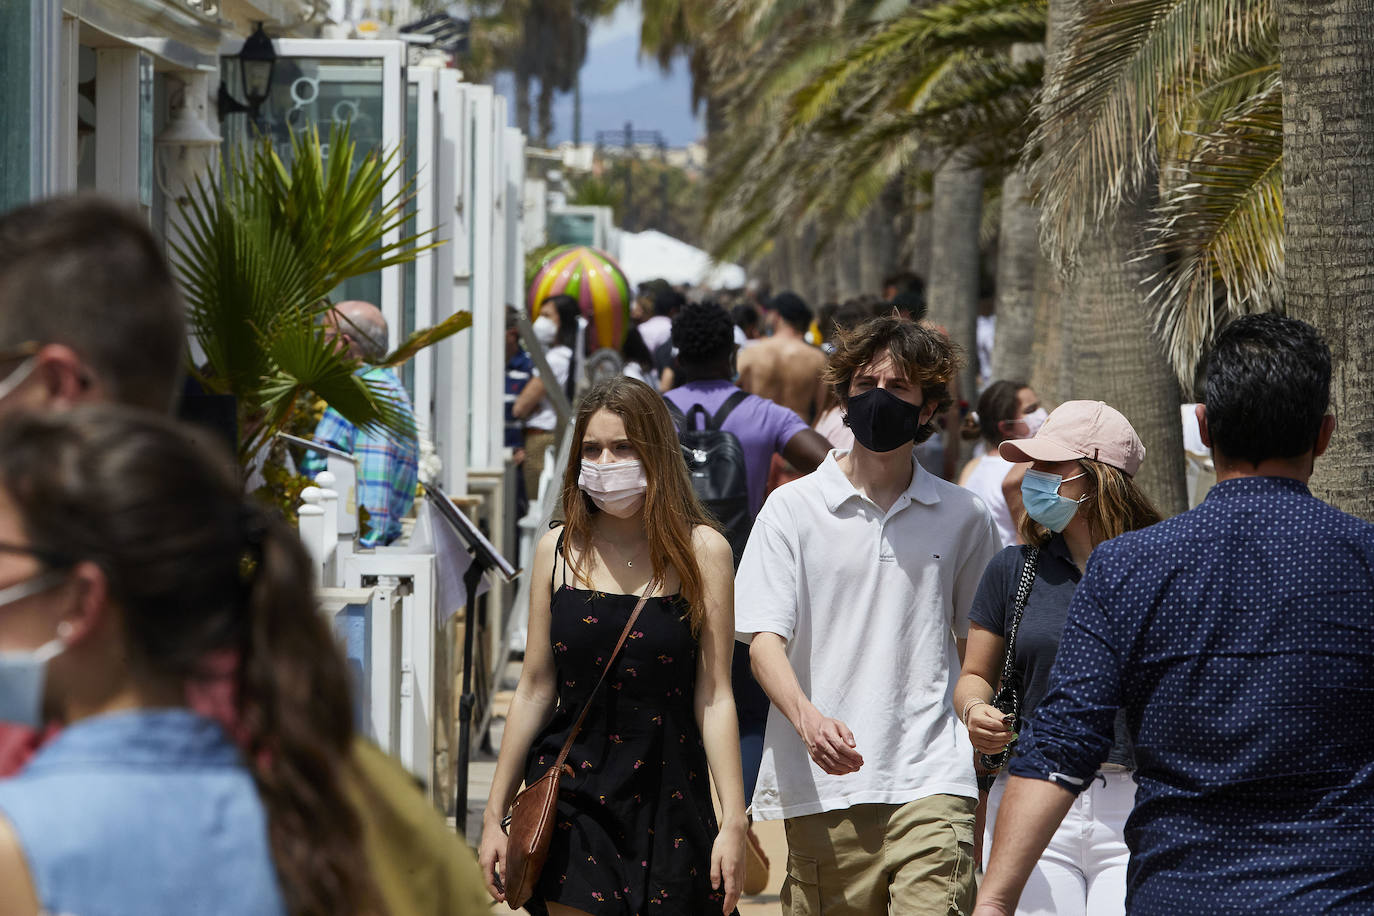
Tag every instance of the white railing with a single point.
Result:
(383, 602)
(391, 608)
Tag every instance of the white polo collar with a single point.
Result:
(837, 489)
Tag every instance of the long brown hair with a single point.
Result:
(671, 509)
(198, 569)
(1116, 506)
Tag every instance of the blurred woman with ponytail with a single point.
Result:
(129, 556)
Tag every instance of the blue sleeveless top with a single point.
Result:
(147, 812)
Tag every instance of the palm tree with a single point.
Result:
(1177, 100)
(841, 104)
(1328, 117)
(543, 41)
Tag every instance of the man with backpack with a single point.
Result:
(705, 340)
(729, 438)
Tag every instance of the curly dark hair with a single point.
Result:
(703, 333)
(928, 358)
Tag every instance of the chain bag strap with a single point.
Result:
(1008, 696)
(530, 824)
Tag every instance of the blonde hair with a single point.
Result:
(671, 508)
(1116, 506)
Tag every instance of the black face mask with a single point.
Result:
(881, 421)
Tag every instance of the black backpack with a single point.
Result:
(715, 462)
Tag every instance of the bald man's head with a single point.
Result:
(363, 327)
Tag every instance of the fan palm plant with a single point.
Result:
(259, 251)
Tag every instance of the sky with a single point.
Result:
(617, 86)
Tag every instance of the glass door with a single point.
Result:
(321, 82)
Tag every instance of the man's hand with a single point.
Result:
(829, 742)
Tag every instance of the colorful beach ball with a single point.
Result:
(598, 284)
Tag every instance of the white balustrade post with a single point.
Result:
(310, 523)
(346, 485)
(329, 502)
(326, 481)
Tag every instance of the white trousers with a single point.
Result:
(1083, 870)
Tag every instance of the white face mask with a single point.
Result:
(1034, 420)
(545, 330)
(617, 489)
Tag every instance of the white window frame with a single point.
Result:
(393, 57)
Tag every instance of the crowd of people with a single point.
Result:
(760, 603)
(1018, 669)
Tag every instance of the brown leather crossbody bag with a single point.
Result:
(530, 824)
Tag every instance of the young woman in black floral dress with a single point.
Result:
(636, 832)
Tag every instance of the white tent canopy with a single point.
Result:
(651, 255)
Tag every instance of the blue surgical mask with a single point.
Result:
(1040, 495)
(23, 672)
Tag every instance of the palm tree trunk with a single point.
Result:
(1117, 358)
(522, 100)
(878, 241)
(546, 92)
(916, 242)
(952, 293)
(848, 274)
(1048, 353)
(825, 283)
(1018, 262)
(1328, 196)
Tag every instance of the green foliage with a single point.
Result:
(1173, 104)
(1178, 102)
(1124, 64)
(661, 196)
(261, 249)
(882, 87)
(594, 191)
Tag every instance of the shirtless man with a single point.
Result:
(784, 368)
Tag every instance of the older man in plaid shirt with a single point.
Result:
(387, 466)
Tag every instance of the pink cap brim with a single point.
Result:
(1037, 449)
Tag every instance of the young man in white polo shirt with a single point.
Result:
(854, 590)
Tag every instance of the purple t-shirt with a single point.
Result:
(761, 426)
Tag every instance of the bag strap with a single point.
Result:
(1032, 556)
(679, 418)
(624, 634)
(727, 408)
(553, 571)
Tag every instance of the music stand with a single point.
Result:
(484, 556)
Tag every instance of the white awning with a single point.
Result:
(651, 255)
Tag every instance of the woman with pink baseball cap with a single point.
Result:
(1078, 492)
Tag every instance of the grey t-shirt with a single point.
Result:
(1037, 640)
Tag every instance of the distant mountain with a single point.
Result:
(617, 87)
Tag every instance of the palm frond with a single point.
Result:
(1094, 143)
(1220, 224)
(427, 337)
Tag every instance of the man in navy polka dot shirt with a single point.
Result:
(1239, 639)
